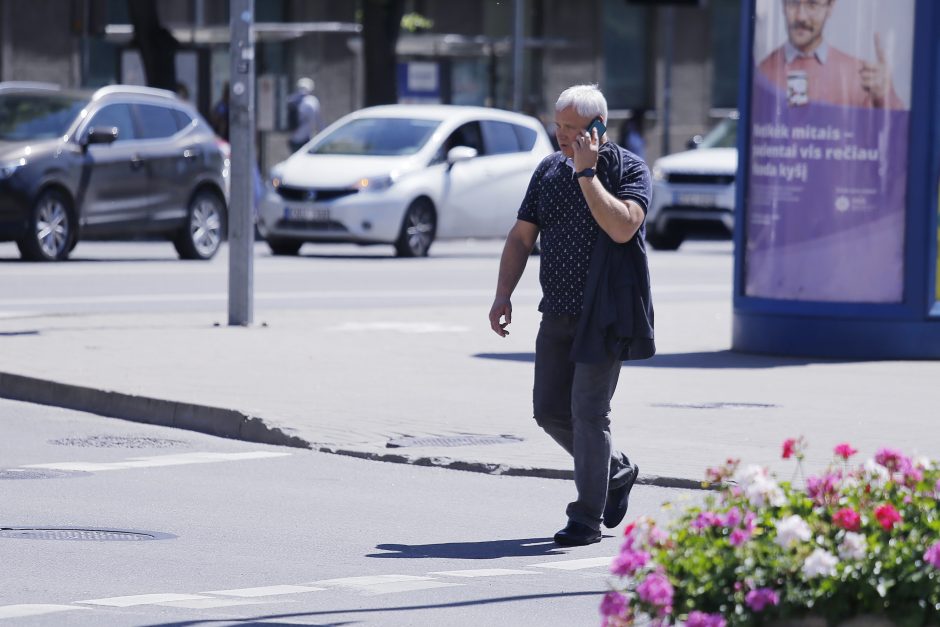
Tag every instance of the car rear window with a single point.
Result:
(377, 137)
(28, 116)
(156, 122)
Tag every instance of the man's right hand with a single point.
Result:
(501, 310)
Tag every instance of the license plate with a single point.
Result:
(306, 214)
(696, 200)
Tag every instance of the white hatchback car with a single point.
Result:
(404, 175)
(693, 191)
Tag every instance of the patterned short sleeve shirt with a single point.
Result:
(554, 202)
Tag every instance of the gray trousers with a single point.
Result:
(571, 402)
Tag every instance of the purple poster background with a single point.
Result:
(826, 197)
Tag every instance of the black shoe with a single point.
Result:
(577, 534)
(618, 500)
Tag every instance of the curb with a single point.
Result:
(236, 425)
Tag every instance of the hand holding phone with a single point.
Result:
(598, 124)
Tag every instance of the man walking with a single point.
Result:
(588, 201)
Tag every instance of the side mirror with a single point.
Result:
(100, 135)
(461, 153)
(693, 142)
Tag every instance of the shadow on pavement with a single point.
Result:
(713, 360)
(487, 550)
(268, 620)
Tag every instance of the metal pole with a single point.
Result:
(518, 40)
(241, 137)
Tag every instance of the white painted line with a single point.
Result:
(159, 461)
(142, 599)
(209, 604)
(266, 591)
(402, 327)
(590, 562)
(386, 584)
(21, 611)
(484, 572)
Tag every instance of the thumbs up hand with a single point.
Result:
(876, 77)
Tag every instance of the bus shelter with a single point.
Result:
(836, 234)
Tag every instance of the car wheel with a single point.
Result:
(286, 247)
(201, 237)
(51, 233)
(665, 241)
(417, 230)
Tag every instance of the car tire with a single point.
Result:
(417, 229)
(51, 233)
(284, 247)
(665, 241)
(202, 235)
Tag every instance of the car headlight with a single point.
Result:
(274, 180)
(376, 183)
(659, 174)
(7, 169)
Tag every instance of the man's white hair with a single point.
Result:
(587, 100)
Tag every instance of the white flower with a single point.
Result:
(759, 488)
(923, 462)
(878, 475)
(791, 530)
(853, 546)
(820, 563)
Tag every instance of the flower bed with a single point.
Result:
(855, 542)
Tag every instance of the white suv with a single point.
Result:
(693, 191)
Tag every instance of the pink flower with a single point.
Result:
(732, 518)
(893, 459)
(845, 451)
(629, 561)
(932, 555)
(614, 604)
(823, 489)
(701, 619)
(789, 448)
(656, 590)
(887, 516)
(739, 536)
(706, 520)
(848, 519)
(761, 598)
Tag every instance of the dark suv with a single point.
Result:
(120, 162)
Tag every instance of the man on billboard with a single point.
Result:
(811, 70)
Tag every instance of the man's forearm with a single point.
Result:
(511, 266)
(619, 219)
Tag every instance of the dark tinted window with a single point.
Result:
(118, 115)
(182, 119)
(526, 137)
(467, 135)
(156, 122)
(25, 116)
(500, 138)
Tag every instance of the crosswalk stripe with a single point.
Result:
(590, 562)
(385, 584)
(36, 609)
(142, 599)
(484, 572)
(266, 591)
(211, 604)
(159, 461)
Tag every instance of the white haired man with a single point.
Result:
(588, 201)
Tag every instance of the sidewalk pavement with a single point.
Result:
(349, 381)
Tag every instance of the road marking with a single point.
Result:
(159, 461)
(210, 604)
(142, 599)
(590, 562)
(385, 584)
(265, 591)
(38, 609)
(402, 327)
(484, 572)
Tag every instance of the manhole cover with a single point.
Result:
(118, 441)
(459, 440)
(716, 405)
(79, 534)
(32, 473)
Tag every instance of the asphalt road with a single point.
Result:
(187, 529)
(133, 277)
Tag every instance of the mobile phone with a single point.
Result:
(599, 125)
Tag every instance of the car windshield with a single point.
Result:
(725, 135)
(377, 137)
(28, 116)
